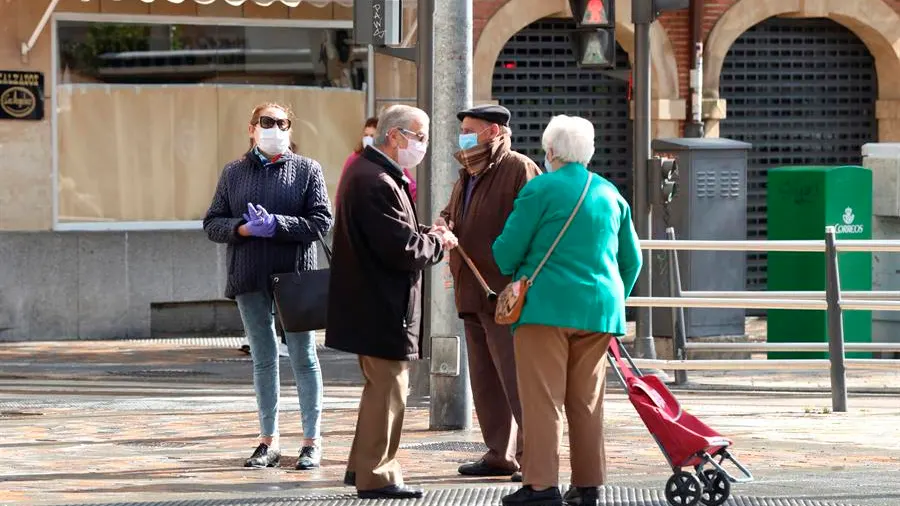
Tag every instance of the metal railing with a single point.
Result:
(833, 301)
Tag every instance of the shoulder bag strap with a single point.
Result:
(325, 247)
(562, 232)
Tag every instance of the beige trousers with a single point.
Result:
(558, 369)
(373, 454)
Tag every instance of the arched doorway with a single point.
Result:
(536, 77)
(803, 92)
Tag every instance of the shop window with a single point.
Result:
(148, 114)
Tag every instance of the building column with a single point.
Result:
(714, 111)
(668, 115)
(888, 114)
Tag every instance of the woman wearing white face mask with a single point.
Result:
(367, 139)
(267, 208)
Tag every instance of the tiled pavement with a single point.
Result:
(105, 421)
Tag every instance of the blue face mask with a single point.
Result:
(468, 141)
(547, 166)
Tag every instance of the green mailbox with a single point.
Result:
(802, 201)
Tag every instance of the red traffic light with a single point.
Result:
(594, 13)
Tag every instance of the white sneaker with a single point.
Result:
(282, 350)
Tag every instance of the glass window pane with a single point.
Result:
(148, 114)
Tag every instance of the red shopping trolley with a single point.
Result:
(685, 441)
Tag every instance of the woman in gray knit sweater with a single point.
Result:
(268, 204)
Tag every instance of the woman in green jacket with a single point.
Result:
(574, 306)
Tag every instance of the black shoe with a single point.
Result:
(516, 477)
(310, 458)
(263, 456)
(350, 478)
(582, 496)
(391, 492)
(481, 468)
(527, 496)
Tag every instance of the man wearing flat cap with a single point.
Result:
(489, 181)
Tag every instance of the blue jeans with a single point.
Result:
(259, 324)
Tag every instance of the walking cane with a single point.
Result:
(491, 295)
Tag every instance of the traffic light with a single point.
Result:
(594, 38)
(594, 13)
(663, 180)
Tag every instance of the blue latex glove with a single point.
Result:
(259, 222)
(252, 214)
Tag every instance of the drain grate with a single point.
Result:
(18, 414)
(157, 444)
(471, 496)
(447, 446)
(160, 373)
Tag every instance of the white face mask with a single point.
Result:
(273, 141)
(368, 140)
(547, 166)
(412, 155)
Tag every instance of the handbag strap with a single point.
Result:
(325, 247)
(587, 185)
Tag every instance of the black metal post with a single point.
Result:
(420, 383)
(679, 339)
(835, 324)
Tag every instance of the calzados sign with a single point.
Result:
(21, 95)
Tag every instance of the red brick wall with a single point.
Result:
(675, 24)
(482, 10)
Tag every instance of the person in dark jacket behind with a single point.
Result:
(375, 300)
(267, 207)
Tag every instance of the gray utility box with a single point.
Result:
(711, 204)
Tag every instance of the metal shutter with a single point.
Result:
(536, 77)
(803, 92)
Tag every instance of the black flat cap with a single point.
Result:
(490, 113)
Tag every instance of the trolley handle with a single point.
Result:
(624, 371)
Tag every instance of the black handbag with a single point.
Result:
(301, 297)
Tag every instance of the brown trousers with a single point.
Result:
(559, 368)
(492, 369)
(373, 454)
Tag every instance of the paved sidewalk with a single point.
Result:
(173, 420)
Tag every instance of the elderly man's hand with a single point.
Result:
(447, 238)
(440, 222)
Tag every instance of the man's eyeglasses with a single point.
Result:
(268, 122)
(419, 137)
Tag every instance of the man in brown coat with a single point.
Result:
(375, 293)
(482, 199)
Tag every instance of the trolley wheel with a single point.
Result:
(683, 489)
(716, 488)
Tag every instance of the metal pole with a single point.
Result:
(835, 324)
(642, 14)
(420, 372)
(451, 396)
(370, 82)
(679, 340)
